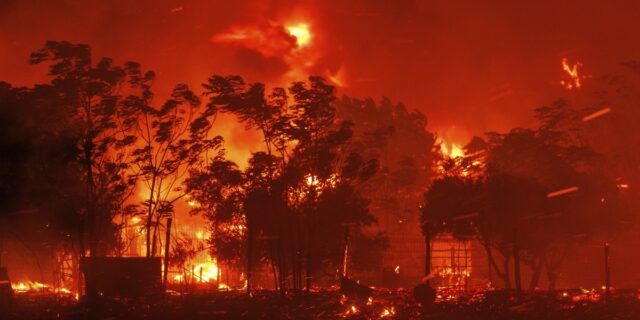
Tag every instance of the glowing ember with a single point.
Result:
(312, 180)
(388, 312)
(397, 270)
(192, 203)
(574, 78)
(353, 310)
(301, 32)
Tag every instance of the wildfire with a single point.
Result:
(35, 286)
(293, 41)
(574, 79)
(312, 180)
(453, 151)
(388, 312)
(28, 286)
(207, 271)
(301, 33)
(352, 310)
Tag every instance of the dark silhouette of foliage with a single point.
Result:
(513, 196)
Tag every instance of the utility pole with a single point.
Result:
(167, 246)
(607, 272)
(427, 258)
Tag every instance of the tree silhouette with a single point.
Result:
(173, 139)
(285, 189)
(518, 214)
(89, 94)
(395, 143)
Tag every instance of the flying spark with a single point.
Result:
(596, 114)
(561, 192)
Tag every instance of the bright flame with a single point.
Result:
(35, 286)
(27, 286)
(301, 32)
(208, 270)
(351, 311)
(388, 312)
(453, 151)
(312, 180)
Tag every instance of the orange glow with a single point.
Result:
(352, 310)
(192, 203)
(452, 151)
(388, 312)
(270, 40)
(28, 286)
(35, 286)
(209, 271)
(339, 77)
(312, 180)
(574, 78)
(301, 32)
(397, 270)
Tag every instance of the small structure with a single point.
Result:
(451, 262)
(5, 286)
(122, 277)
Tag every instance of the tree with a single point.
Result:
(396, 141)
(40, 182)
(173, 139)
(284, 187)
(89, 94)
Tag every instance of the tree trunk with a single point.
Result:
(150, 216)
(345, 255)
(537, 272)
(308, 260)
(516, 263)
(91, 213)
(282, 267)
(167, 247)
(274, 272)
(507, 273)
(427, 258)
(492, 263)
(249, 251)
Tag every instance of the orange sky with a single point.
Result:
(470, 67)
